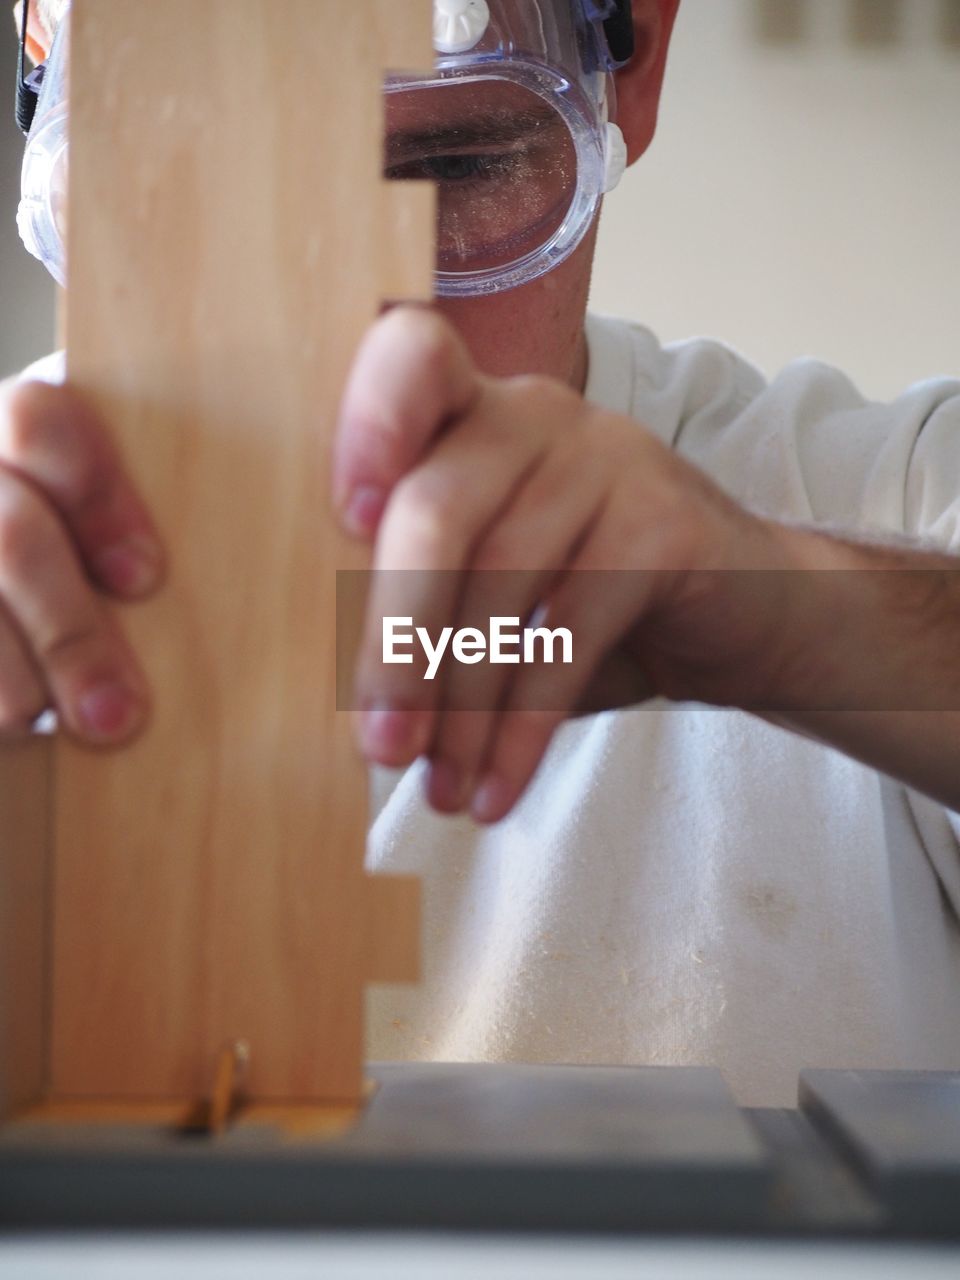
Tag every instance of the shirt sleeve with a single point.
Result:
(932, 492)
(883, 468)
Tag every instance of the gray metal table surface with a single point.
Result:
(653, 1152)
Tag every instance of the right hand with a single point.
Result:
(73, 532)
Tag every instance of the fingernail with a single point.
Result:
(391, 735)
(447, 786)
(131, 567)
(109, 711)
(491, 800)
(363, 509)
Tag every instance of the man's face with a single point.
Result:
(501, 188)
(497, 196)
(505, 167)
(536, 328)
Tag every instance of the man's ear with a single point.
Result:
(39, 38)
(639, 84)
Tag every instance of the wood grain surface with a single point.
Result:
(24, 917)
(230, 239)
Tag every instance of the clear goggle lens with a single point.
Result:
(42, 217)
(43, 207)
(518, 168)
(518, 151)
(504, 163)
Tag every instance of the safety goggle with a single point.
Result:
(42, 115)
(512, 126)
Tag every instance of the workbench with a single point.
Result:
(640, 1151)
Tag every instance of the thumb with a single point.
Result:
(412, 378)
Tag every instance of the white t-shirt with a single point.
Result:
(688, 885)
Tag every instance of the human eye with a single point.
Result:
(457, 167)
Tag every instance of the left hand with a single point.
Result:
(620, 539)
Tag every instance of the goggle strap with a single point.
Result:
(28, 87)
(619, 32)
(612, 22)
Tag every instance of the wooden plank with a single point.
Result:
(209, 882)
(24, 852)
(393, 929)
(409, 206)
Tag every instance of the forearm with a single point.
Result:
(874, 664)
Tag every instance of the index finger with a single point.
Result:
(412, 376)
(53, 438)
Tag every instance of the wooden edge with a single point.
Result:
(404, 35)
(392, 920)
(67, 1113)
(408, 256)
(293, 1121)
(25, 776)
(405, 38)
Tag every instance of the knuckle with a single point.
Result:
(572, 462)
(436, 356)
(665, 538)
(635, 538)
(546, 394)
(42, 424)
(502, 549)
(29, 412)
(682, 542)
(22, 424)
(427, 333)
(23, 540)
(625, 442)
(426, 516)
(63, 645)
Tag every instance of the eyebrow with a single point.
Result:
(497, 128)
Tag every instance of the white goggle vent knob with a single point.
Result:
(616, 158)
(459, 25)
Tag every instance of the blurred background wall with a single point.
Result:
(802, 198)
(803, 194)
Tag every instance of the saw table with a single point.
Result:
(551, 1149)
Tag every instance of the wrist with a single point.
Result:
(810, 613)
(862, 626)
